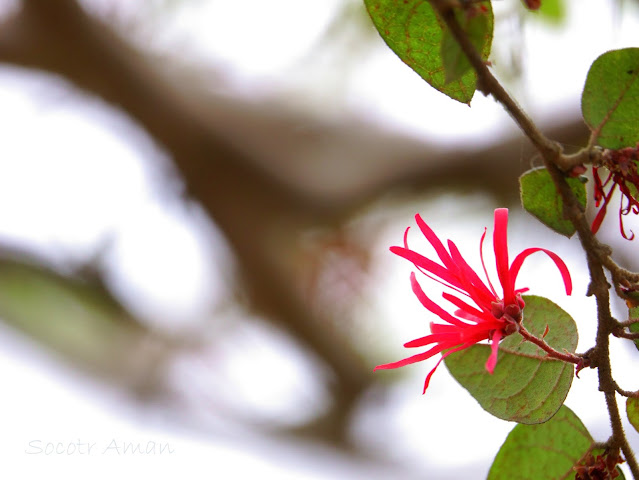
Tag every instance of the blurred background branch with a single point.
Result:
(285, 187)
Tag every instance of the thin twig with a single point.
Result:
(591, 155)
(627, 323)
(624, 334)
(625, 393)
(619, 273)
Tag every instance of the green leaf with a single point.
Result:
(552, 11)
(526, 386)
(73, 317)
(610, 100)
(478, 27)
(412, 30)
(540, 198)
(632, 410)
(543, 452)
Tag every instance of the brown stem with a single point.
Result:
(619, 274)
(619, 435)
(590, 155)
(607, 384)
(624, 334)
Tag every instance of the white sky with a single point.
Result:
(47, 402)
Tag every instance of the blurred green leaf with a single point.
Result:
(552, 11)
(412, 30)
(548, 451)
(632, 410)
(526, 386)
(540, 198)
(610, 100)
(76, 319)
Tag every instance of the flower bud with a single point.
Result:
(532, 4)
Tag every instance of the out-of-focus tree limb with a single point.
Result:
(256, 212)
(225, 164)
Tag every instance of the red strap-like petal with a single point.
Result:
(500, 245)
(483, 264)
(430, 305)
(481, 331)
(475, 333)
(469, 280)
(435, 242)
(492, 359)
(415, 358)
(430, 374)
(469, 310)
(563, 269)
(427, 264)
(443, 328)
(621, 213)
(596, 223)
(434, 338)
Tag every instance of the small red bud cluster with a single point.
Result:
(511, 314)
(604, 467)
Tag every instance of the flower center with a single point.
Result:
(510, 314)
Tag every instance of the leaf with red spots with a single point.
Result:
(412, 29)
(548, 451)
(610, 100)
(540, 198)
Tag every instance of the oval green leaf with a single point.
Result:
(412, 30)
(610, 100)
(632, 410)
(540, 198)
(543, 452)
(526, 386)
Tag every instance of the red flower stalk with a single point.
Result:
(491, 317)
(622, 172)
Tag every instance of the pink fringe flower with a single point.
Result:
(622, 172)
(489, 316)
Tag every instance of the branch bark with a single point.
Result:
(259, 215)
